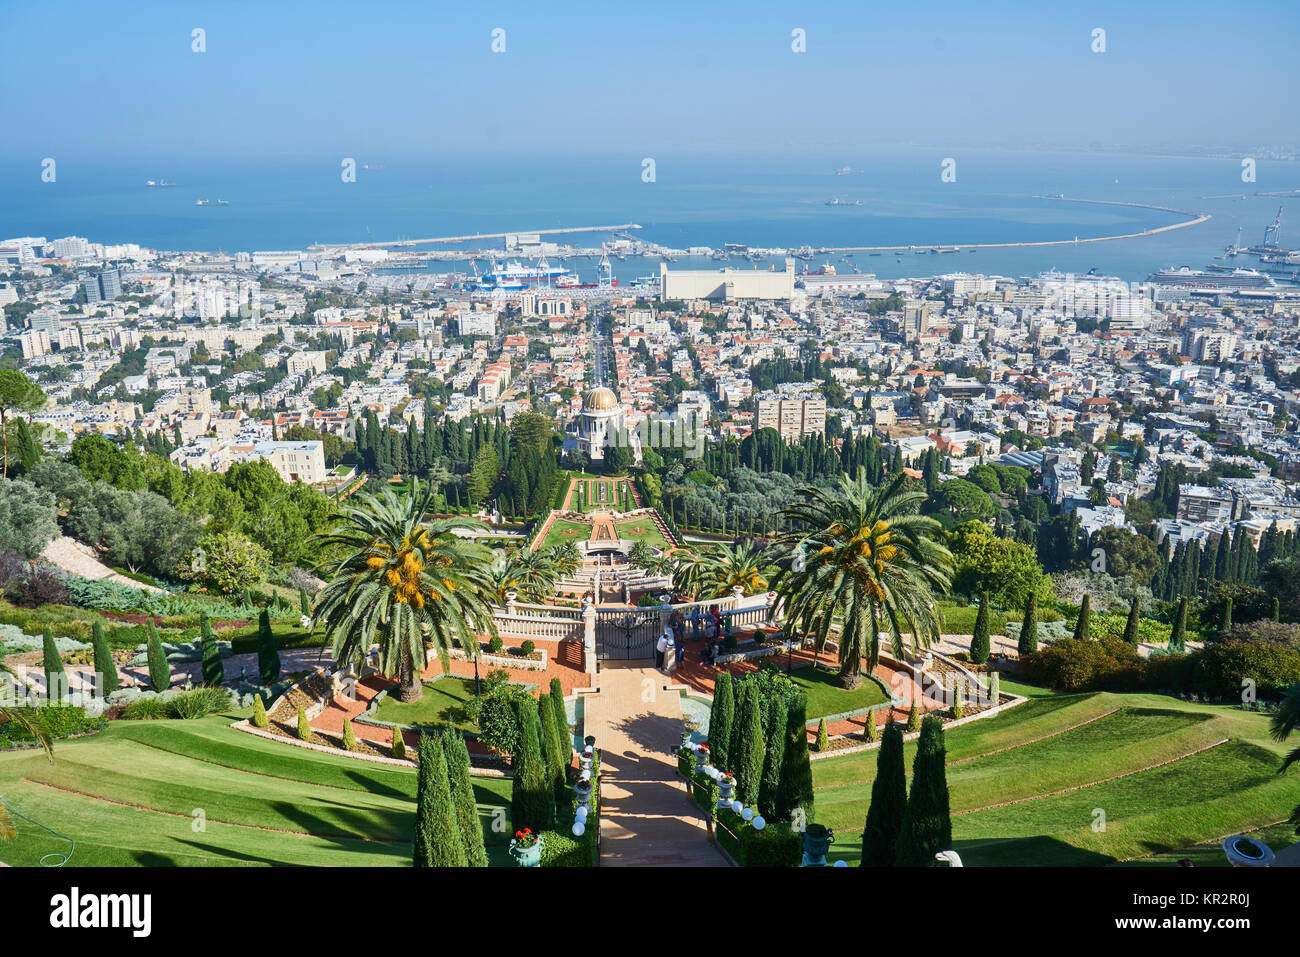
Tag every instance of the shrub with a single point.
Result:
(1268, 632)
(497, 716)
(721, 717)
(268, 653)
(104, 666)
(958, 700)
(914, 716)
(304, 726)
(747, 760)
(796, 788)
(399, 742)
(1027, 640)
(979, 642)
(146, 708)
(823, 739)
(1082, 627)
(532, 803)
(527, 648)
(200, 702)
(872, 730)
(1220, 668)
(349, 736)
(259, 718)
(56, 679)
(437, 840)
(773, 758)
(730, 643)
(462, 795)
(1074, 664)
(495, 645)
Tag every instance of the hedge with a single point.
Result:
(777, 845)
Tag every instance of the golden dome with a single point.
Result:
(600, 399)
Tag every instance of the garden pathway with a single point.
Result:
(647, 819)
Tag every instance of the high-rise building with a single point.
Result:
(105, 287)
(793, 415)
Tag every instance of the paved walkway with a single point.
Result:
(647, 818)
(78, 559)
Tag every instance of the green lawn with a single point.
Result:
(442, 705)
(1025, 786)
(643, 529)
(825, 696)
(562, 531)
(129, 795)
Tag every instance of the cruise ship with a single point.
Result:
(1201, 279)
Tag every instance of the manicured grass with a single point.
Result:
(825, 696)
(1024, 786)
(562, 531)
(131, 794)
(442, 706)
(643, 529)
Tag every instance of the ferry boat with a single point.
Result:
(515, 275)
(843, 171)
(843, 202)
(156, 184)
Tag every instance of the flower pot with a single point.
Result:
(528, 856)
(726, 792)
(686, 739)
(582, 790)
(817, 840)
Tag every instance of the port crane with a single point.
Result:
(1272, 233)
(604, 272)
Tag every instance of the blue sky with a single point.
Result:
(416, 79)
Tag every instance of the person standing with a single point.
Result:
(660, 648)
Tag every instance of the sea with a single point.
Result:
(988, 196)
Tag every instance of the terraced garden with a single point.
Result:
(130, 794)
(1028, 787)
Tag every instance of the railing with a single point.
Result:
(551, 629)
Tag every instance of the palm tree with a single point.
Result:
(567, 557)
(866, 559)
(1286, 720)
(403, 581)
(714, 573)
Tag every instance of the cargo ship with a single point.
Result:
(208, 202)
(843, 202)
(843, 171)
(156, 184)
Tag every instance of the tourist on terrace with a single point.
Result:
(660, 648)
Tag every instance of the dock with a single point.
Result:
(322, 247)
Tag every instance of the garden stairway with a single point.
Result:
(646, 818)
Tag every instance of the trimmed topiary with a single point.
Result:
(721, 718)
(927, 826)
(456, 753)
(104, 667)
(748, 759)
(304, 604)
(532, 802)
(495, 645)
(796, 790)
(1082, 627)
(1028, 642)
(259, 718)
(773, 760)
(304, 726)
(888, 801)
(527, 648)
(1131, 626)
(268, 652)
(399, 743)
(56, 678)
(823, 739)
(958, 700)
(979, 641)
(349, 736)
(914, 716)
(1178, 635)
(213, 670)
(437, 840)
(871, 731)
(160, 672)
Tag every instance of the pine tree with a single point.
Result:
(104, 666)
(748, 756)
(160, 672)
(1131, 626)
(888, 801)
(926, 827)
(213, 670)
(259, 718)
(979, 642)
(349, 736)
(304, 726)
(1028, 642)
(1177, 636)
(56, 678)
(721, 718)
(773, 759)
(1082, 630)
(462, 793)
(437, 837)
(796, 789)
(268, 652)
(823, 742)
(532, 802)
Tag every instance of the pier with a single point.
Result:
(1195, 219)
(322, 247)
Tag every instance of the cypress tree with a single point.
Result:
(748, 757)
(56, 678)
(437, 839)
(721, 717)
(871, 730)
(888, 801)
(773, 759)
(213, 671)
(160, 672)
(1225, 623)
(926, 827)
(958, 700)
(349, 736)
(1177, 636)
(1277, 609)
(734, 747)
(304, 726)
(268, 653)
(1131, 626)
(304, 603)
(399, 743)
(796, 789)
(462, 793)
(914, 714)
(259, 712)
(1028, 642)
(532, 801)
(823, 742)
(556, 760)
(104, 666)
(1082, 630)
(979, 642)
